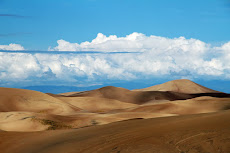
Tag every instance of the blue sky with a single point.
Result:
(38, 24)
(138, 42)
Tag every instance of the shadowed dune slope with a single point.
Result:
(189, 133)
(12, 99)
(182, 86)
(136, 97)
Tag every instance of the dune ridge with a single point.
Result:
(182, 86)
(136, 97)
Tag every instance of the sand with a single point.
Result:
(178, 116)
(190, 133)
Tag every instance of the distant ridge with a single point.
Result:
(181, 86)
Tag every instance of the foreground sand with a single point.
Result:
(190, 133)
(110, 119)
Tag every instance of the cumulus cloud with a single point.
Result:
(225, 58)
(157, 57)
(11, 47)
(225, 47)
(135, 42)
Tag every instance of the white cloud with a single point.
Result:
(226, 47)
(11, 47)
(133, 42)
(225, 58)
(158, 57)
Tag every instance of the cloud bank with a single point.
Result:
(154, 57)
(11, 47)
(135, 42)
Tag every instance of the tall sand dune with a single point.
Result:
(182, 86)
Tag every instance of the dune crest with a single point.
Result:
(181, 86)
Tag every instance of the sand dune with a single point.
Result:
(94, 104)
(192, 133)
(169, 91)
(112, 119)
(32, 101)
(190, 106)
(109, 111)
(136, 97)
(182, 86)
(28, 121)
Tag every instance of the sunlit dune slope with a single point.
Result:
(182, 86)
(20, 121)
(95, 104)
(12, 99)
(67, 93)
